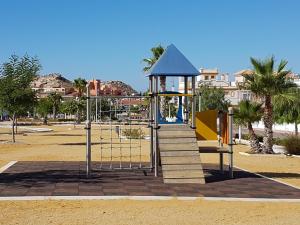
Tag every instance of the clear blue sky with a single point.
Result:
(108, 39)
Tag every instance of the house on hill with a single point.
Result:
(44, 85)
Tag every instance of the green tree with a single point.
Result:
(16, 96)
(266, 82)
(70, 107)
(246, 114)
(103, 107)
(287, 107)
(156, 53)
(213, 98)
(44, 107)
(55, 100)
(80, 85)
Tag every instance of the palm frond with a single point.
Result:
(282, 65)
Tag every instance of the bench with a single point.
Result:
(216, 150)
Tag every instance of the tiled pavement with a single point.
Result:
(68, 179)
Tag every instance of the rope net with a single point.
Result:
(124, 131)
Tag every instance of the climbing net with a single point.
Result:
(124, 131)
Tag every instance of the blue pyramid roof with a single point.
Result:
(172, 63)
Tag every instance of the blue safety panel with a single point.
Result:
(179, 118)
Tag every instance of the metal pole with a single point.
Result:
(151, 120)
(186, 113)
(156, 108)
(230, 144)
(193, 103)
(240, 128)
(240, 133)
(200, 102)
(100, 108)
(88, 131)
(96, 104)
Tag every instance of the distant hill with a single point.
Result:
(53, 80)
(118, 86)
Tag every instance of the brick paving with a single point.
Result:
(68, 179)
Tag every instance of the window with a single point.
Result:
(206, 78)
(212, 77)
(232, 94)
(245, 96)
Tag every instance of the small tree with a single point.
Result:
(287, 107)
(246, 114)
(44, 107)
(55, 100)
(16, 96)
(102, 107)
(213, 98)
(70, 107)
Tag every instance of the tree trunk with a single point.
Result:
(162, 80)
(16, 125)
(13, 129)
(254, 142)
(268, 123)
(45, 121)
(296, 128)
(54, 112)
(78, 116)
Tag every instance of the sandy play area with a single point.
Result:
(65, 143)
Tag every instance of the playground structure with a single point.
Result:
(173, 145)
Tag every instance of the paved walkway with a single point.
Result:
(68, 179)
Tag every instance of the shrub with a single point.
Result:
(246, 137)
(292, 144)
(133, 133)
(65, 120)
(278, 141)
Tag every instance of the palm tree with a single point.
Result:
(156, 53)
(248, 113)
(265, 82)
(80, 85)
(287, 107)
(55, 100)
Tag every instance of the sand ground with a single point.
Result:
(68, 144)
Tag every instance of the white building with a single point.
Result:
(212, 78)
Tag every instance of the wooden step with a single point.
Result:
(176, 140)
(180, 160)
(179, 146)
(183, 174)
(179, 153)
(182, 167)
(174, 127)
(177, 134)
(184, 181)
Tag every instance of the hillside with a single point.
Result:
(56, 82)
(121, 87)
(53, 80)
